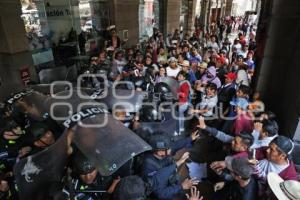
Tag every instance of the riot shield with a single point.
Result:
(131, 100)
(33, 104)
(36, 174)
(170, 127)
(103, 139)
(16, 96)
(53, 74)
(63, 105)
(46, 88)
(109, 146)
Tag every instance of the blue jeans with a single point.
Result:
(182, 109)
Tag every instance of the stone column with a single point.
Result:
(203, 13)
(228, 7)
(173, 15)
(191, 14)
(14, 54)
(278, 75)
(126, 17)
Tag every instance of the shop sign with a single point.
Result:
(25, 75)
(58, 11)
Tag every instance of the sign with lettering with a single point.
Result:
(58, 11)
(25, 75)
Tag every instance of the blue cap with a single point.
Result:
(240, 102)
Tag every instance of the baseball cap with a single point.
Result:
(286, 145)
(239, 166)
(284, 190)
(231, 76)
(240, 102)
(130, 188)
(221, 59)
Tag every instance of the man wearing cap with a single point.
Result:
(185, 66)
(244, 186)
(12, 139)
(42, 137)
(227, 91)
(243, 121)
(160, 162)
(221, 68)
(172, 69)
(85, 177)
(280, 148)
(284, 190)
(201, 70)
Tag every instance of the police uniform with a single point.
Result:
(168, 186)
(78, 189)
(81, 191)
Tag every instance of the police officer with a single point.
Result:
(33, 114)
(5, 192)
(42, 137)
(87, 183)
(12, 139)
(162, 93)
(160, 162)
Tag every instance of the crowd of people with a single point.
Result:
(229, 147)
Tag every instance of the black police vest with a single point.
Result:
(159, 164)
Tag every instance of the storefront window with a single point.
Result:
(148, 17)
(54, 28)
(94, 18)
(94, 14)
(37, 30)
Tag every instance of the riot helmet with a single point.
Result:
(10, 129)
(130, 188)
(38, 129)
(163, 92)
(149, 114)
(41, 134)
(81, 165)
(159, 141)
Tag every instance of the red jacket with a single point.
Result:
(183, 92)
(289, 173)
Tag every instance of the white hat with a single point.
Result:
(172, 59)
(284, 190)
(185, 63)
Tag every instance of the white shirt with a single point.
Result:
(213, 45)
(264, 167)
(242, 77)
(172, 72)
(257, 143)
(210, 103)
